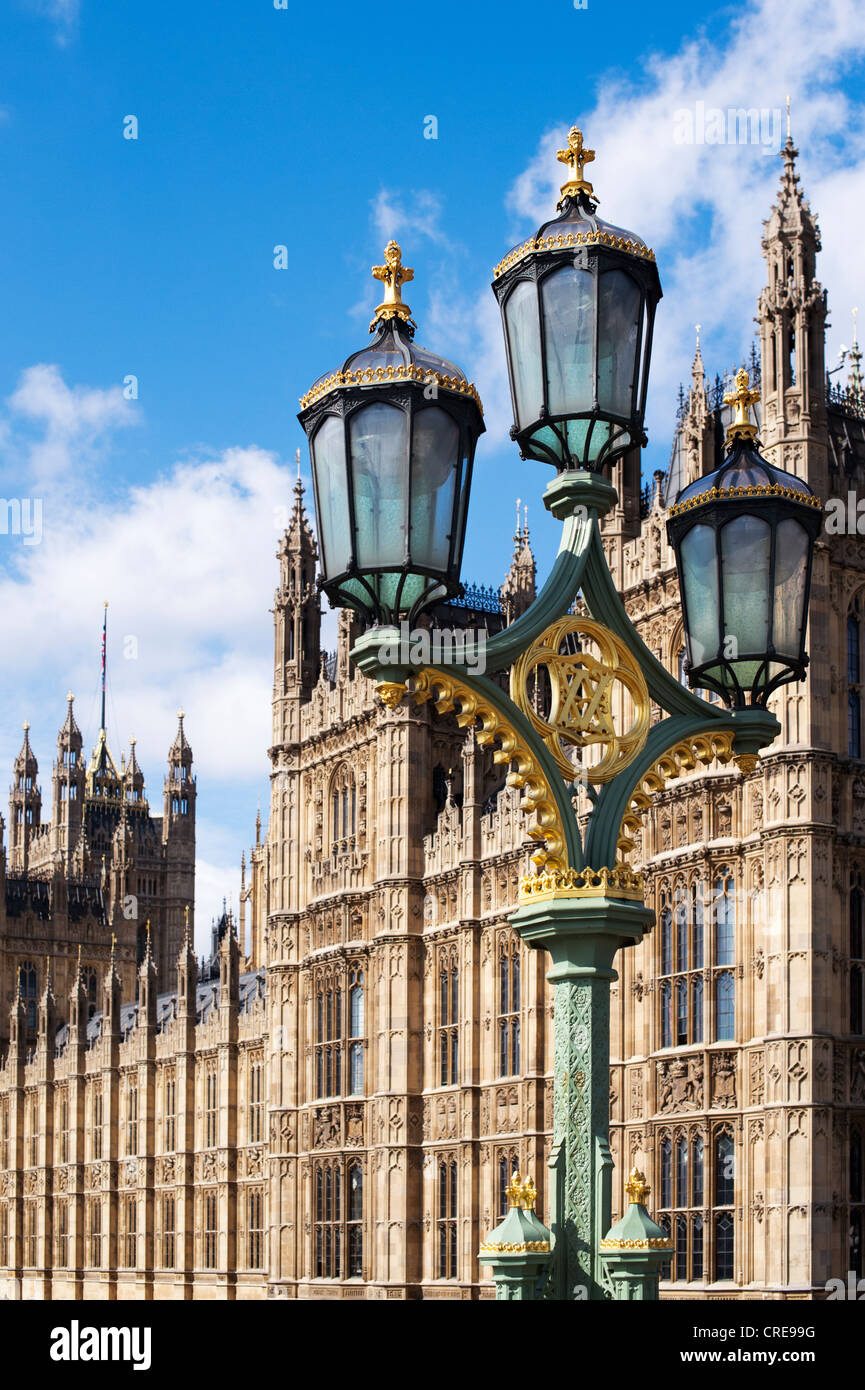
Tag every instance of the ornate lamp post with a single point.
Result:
(578, 303)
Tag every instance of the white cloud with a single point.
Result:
(701, 206)
(72, 422)
(404, 216)
(187, 563)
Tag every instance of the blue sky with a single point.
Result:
(304, 127)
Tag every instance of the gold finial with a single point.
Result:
(530, 1194)
(789, 131)
(393, 275)
(636, 1187)
(26, 726)
(69, 696)
(181, 715)
(575, 155)
(742, 398)
(514, 1190)
(521, 1192)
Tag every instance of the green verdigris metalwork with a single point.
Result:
(582, 932)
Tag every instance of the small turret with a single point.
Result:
(134, 792)
(297, 611)
(68, 780)
(519, 588)
(179, 807)
(187, 975)
(25, 805)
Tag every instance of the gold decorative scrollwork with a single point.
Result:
(581, 688)
(682, 757)
(538, 801)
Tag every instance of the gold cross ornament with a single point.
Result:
(742, 398)
(393, 275)
(575, 155)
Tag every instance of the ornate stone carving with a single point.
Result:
(723, 1065)
(680, 1084)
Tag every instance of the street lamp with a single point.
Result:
(578, 307)
(744, 542)
(578, 304)
(392, 438)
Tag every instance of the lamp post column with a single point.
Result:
(582, 935)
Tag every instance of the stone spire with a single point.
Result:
(111, 995)
(297, 610)
(68, 776)
(133, 779)
(518, 590)
(147, 987)
(78, 1008)
(25, 804)
(792, 317)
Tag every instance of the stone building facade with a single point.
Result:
(334, 1110)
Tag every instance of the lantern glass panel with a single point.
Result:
(745, 552)
(434, 462)
(567, 304)
(791, 568)
(524, 342)
(328, 456)
(379, 454)
(619, 306)
(700, 573)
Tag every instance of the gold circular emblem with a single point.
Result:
(575, 664)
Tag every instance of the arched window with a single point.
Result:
(682, 952)
(854, 683)
(725, 1007)
(697, 1009)
(448, 1029)
(507, 1166)
(356, 1010)
(355, 1221)
(328, 1220)
(697, 1172)
(666, 1014)
(724, 1198)
(724, 1176)
(680, 917)
(666, 918)
(343, 803)
(328, 1036)
(681, 1013)
(509, 1005)
(447, 1220)
(666, 1194)
(697, 928)
(681, 1171)
(725, 918)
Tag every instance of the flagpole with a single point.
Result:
(104, 639)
